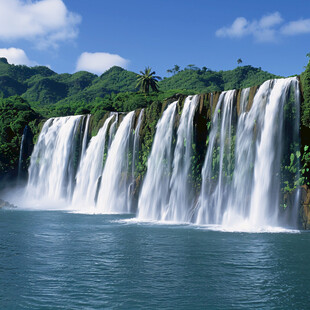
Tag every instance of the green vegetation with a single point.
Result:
(15, 114)
(205, 80)
(41, 86)
(305, 108)
(296, 159)
(174, 70)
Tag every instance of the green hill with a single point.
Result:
(114, 80)
(41, 86)
(205, 80)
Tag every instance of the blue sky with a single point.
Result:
(71, 35)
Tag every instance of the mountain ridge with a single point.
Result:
(42, 86)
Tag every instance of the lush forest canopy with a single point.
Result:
(53, 94)
(15, 114)
(305, 109)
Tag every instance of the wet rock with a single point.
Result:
(6, 204)
(305, 203)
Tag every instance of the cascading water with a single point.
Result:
(136, 146)
(51, 171)
(241, 176)
(85, 136)
(240, 193)
(266, 184)
(26, 148)
(170, 180)
(251, 198)
(90, 170)
(181, 193)
(20, 161)
(112, 130)
(154, 195)
(112, 197)
(217, 165)
(135, 159)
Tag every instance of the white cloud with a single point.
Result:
(16, 56)
(262, 30)
(45, 22)
(99, 62)
(239, 28)
(270, 20)
(267, 29)
(296, 27)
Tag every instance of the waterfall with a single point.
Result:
(246, 192)
(168, 170)
(26, 148)
(112, 197)
(266, 184)
(154, 195)
(252, 140)
(90, 170)
(52, 166)
(85, 136)
(136, 145)
(181, 193)
(112, 130)
(240, 192)
(135, 160)
(21, 152)
(217, 165)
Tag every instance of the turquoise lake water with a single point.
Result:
(59, 260)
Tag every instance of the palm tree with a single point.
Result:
(147, 80)
(239, 61)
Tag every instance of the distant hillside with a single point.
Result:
(114, 80)
(206, 81)
(41, 86)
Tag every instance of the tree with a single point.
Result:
(308, 55)
(305, 107)
(176, 69)
(169, 71)
(147, 79)
(190, 66)
(239, 61)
